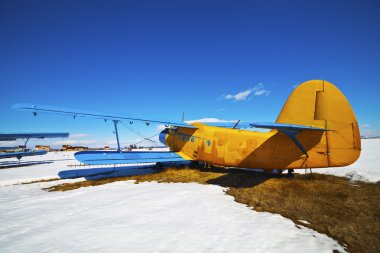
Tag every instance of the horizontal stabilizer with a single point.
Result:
(228, 124)
(113, 157)
(35, 109)
(285, 127)
(290, 130)
(276, 126)
(18, 155)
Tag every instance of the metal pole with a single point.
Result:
(117, 135)
(27, 139)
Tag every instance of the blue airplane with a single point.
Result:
(17, 152)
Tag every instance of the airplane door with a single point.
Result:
(218, 150)
(205, 145)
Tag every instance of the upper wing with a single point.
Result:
(15, 136)
(105, 116)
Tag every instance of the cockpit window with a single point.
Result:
(173, 129)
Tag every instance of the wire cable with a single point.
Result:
(140, 134)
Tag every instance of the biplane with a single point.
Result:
(316, 128)
(21, 151)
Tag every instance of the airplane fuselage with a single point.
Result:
(250, 149)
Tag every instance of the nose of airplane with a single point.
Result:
(162, 136)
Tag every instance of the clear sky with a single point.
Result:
(161, 58)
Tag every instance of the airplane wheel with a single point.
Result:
(290, 173)
(194, 164)
(159, 165)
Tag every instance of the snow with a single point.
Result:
(146, 217)
(44, 167)
(51, 166)
(366, 168)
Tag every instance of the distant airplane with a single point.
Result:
(316, 128)
(17, 152)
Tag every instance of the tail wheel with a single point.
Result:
(290, 173)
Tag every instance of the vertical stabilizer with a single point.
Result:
(318, 103)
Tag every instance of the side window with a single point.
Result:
(208, 143)
(192, 139)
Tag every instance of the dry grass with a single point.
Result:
(41, 181)
(346, 211)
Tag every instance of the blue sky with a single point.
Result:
(161, 58)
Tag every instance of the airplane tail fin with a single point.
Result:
(318, 103)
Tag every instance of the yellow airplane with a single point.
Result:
(316, 128)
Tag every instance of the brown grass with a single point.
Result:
(347, 211)
(41, 181)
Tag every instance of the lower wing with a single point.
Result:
(113, 157)
(18, 155)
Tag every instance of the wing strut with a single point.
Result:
(27, 139)
(237, 123)
(115, 122)
(292, 135)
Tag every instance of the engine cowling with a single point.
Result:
(162, 136)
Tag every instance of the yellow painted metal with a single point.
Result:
(315, 103)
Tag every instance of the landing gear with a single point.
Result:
(290, 173)
(278, 172)
(194, 164)
(206, 167)
(159, 166)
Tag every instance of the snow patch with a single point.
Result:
(304, 222)
(366, 168)
(145, 217)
